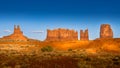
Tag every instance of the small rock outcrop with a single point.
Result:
(17, 35)
(106, 31)
(84, 35)
(61, 35)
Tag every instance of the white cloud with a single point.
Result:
(7, 31)
(1, 36)
(37, 31)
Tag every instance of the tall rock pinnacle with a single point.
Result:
(106, 31)
(17, 35)
(84, 35)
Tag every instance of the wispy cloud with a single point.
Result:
(7, 31)
(1, 36)
(37, 31)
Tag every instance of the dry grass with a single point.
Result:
(108, 45)
(101, 53)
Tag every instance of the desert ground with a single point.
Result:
(100, 53)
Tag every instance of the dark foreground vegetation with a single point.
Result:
(93, 54)
(51, 60)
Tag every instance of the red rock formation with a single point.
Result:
(17, 35)
(106, 31)
(84, 35)
(61, 35)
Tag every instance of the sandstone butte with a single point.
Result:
(84, 35)
(17, 35)
(61, 35)
(106, 31)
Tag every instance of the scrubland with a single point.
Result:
(100, 53)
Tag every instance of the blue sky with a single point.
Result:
(35, 16)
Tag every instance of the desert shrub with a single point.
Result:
(83, 64)
(69, 49)
(47, 49)
(88, 59)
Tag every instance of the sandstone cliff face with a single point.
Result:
(61, 35)
(17, 35)
(106, 31)
(84, 35)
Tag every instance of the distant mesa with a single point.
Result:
(61, 35)
(16, 36)
(84, 35)
(106, 31)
